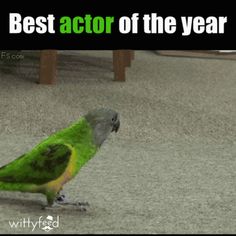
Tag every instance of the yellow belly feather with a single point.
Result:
(69, 173)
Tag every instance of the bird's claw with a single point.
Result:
(62, 201)
(47, 207)
(61, 198)
(81, 206)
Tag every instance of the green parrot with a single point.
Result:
(57, 159)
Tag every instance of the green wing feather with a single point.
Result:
(39, 166)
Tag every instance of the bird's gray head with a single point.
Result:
(103, 121)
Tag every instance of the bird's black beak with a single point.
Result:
(116, 126)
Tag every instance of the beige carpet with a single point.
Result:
(170, 169)
(222, 54)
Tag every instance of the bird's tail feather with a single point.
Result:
(19, 187)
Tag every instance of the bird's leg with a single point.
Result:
(56, 200)
(61, 200)
(50, 201)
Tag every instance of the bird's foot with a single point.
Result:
(81, 206)
(51, 207)
(61, 201)
(60, 198)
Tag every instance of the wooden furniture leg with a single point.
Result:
(127, 57)
(48, 66)
(119, 64)
(132, 54)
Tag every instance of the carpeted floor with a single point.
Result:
(170, 169)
